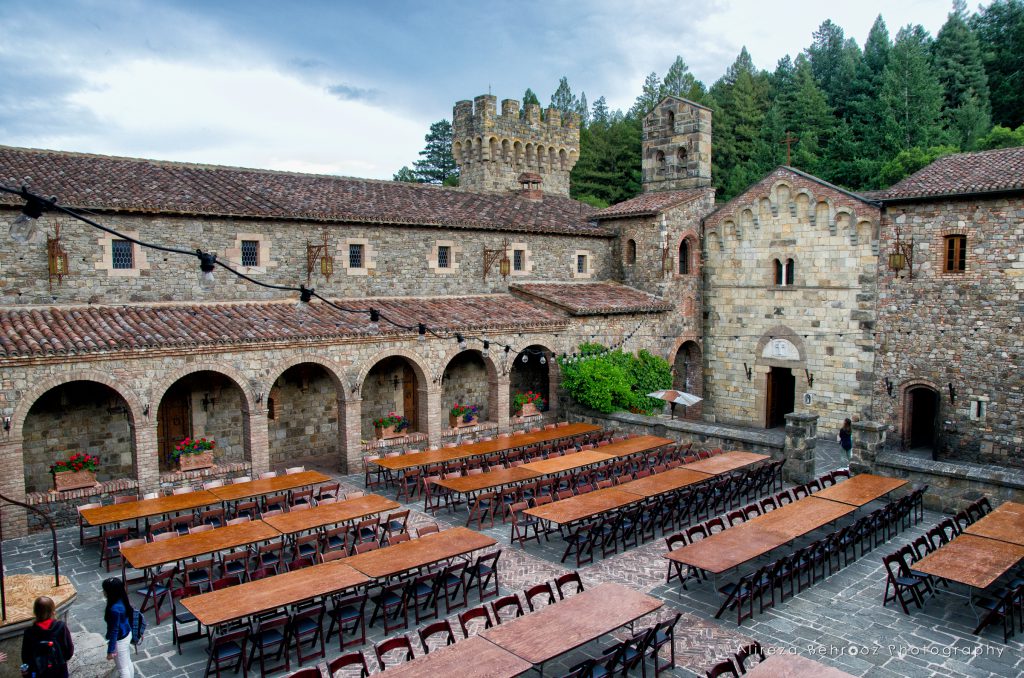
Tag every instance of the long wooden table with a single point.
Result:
(570, 623)
(631, 446)
(861, 489)
(793, 666)
(566, 462)
(972, 560)
(427, 550)
(1005, 523)
(418, 459)
(726, 461)
(331, 514)
(666, 481)
(262, 595)
(147, 508)
(582, 506)
(191, 545)
(257, 488)
(488, 480)
(473, 657)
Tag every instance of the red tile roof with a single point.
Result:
(596, 298)
(132, 184)
(981, 172)
(76, 330)
(649, 203)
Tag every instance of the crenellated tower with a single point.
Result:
(509, 153)
(677, 146)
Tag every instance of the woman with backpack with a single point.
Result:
(118, 616)
(46, 646)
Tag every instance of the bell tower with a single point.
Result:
(676, 146)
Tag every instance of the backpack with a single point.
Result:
(138, 629)
(48, 660)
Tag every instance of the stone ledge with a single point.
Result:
(106, 487)
(175, 477)
(964, 470)
(767, 438)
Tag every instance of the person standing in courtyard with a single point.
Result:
(118, 616)
(46, 646)
(845, 439)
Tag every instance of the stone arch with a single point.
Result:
(659, 159)
(468, 152)
(822, 216)
(764, 210)
(687, 254)
(844, 223)
(531, 155)
(506, 150)
(803, 204)
(480, 149)
(746, 220)
(517, 153)
(248, 401)
(714, 242)
(552, 157)
(782, 332)
(573, 158)
(670, 120)
(908, 411)
(40, 388)
(493, 149)
(457, 152)
(681, 157)
(781, 195)
(773, 371)
(490, 387)
(865, 233)
(729, 230)
(304, 393)
(527, 376)
(630, 254)
(562, 160)
(417, 361)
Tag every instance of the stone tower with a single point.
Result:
(507, 152)
(677, 146)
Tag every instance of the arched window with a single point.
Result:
(684, 257)
(790, 266)
(779, 273)
(631, 252)
(660, 158)
(670, 120)
(681, 155)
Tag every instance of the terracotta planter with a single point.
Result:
(460, 422)
(73, 480)
(193, 462)
(528, 410)
(386, 432)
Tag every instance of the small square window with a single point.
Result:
(979, 408)
(581, 263)
(355, 255)
(444, 256)
(956, 254)
(518, 260)
(250, 253)
(122, 254)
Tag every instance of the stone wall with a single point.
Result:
(959, 331)
(676, 146)
(821, 325)
(465, 382)
(401, 255)
(304, 424)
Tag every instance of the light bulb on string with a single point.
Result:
(302, 307)
(525, 358)
(24, 229)
(486, 351)
(374, 320)
(461, 340)
(207, 262)
(543, 360)
(422, 336)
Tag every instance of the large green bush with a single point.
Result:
(608, 381)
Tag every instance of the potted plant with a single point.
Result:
(79, 470)
(462, 415)
(390, 425)
(194, 453)
(527, 404)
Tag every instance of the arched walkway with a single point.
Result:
(467, 380)
(534, 369)
(393, 384)
(204, 404)
(302, 415)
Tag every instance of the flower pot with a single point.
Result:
(386, 432)
(193, 462)
(73, 480)
(528, 410)
(460, 422)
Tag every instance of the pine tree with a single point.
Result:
(599, 112)
(961, 70)
(438, 164)
(563, 98)
(834, 62)
(860, 139)
(740, 101)
(801, 109)
(680, 82)
(529, 97)
(583, 110)
(911, 95)
(407, 175)
(1000, 30)
(649, 98)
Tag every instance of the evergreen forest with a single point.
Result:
(862, 116)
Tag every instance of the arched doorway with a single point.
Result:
(780, 396)
(921, 425)
(79, 416)
(302, 415)
(465, 381)
(531, 371)
(688, 376)
(391, 385)
(203, 404)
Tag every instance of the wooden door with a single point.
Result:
(769, 400)
(174, 423)
(409, 397)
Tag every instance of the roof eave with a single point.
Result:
(965, 195)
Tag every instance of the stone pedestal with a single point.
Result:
(801, 439)
(868, 440)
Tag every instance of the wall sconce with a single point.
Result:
(902, 256)
(952, 393)
(259, 398)
(207, 402)
(145, 410)
(888, 386)
(810, 378)
(749, 371)
(7, 424)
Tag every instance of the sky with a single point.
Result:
(350, 88)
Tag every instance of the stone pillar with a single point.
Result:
(801, 439)
(147, 456)
(350, 432)
(498, 400)
(255, 431)
(554, 383)
(430, 415)
(868, 439)
(12, 485)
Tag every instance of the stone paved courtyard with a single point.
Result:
(839, 621)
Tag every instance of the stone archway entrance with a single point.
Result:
(203, 404)
(531, 371)
(921, 424)
(687, 376)
(391, 385)
(779, 396)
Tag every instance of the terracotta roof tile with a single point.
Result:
(35, 331)
(649, 203)
(133, 184)
(597, 298)
(981, 172)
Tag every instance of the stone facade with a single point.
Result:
(952, 342)
(493, 150)
(766, 335)
(676, 146)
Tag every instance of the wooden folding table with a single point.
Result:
(473, 657)
(861, 489)
(415, 553)
(314, 518)
(191, 545)
(258, 488)
(582, 506)
(147, 508)
(666, 481)
(725, 462)
(974, 561)
(1005, 523)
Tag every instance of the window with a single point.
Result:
(681, 155)
(518, 260)
(956, 254)
(670, 119)
(444, 256)
(684, 257)
(581, 263)
(784, 272)
(630, 252)
(779, 275)
(659, 157)
(790, 265)
(979, 408)
(355, 255)
(121, 251)
(250, 253)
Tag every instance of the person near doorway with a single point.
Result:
(46, 646)
(845, 439)
(118, 616)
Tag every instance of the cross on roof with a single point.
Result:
(789, 141)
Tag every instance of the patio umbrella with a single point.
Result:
(676, 398)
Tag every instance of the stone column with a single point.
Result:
(498, 400)
(801, 439)
(255, 429)
(430, 415)
(350, 432)
(147, 456)
(554, 383)
(868, 439)
(12, 485)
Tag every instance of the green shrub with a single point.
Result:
(609, 381)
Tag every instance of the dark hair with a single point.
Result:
(113, 590)
(847, 425)
(43, 608)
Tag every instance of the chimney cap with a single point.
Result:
(530, 178)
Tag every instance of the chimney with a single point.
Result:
(529, 186)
